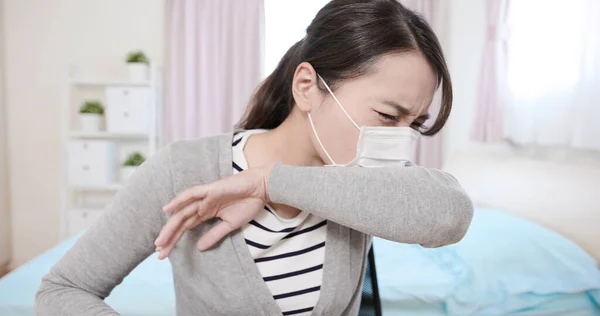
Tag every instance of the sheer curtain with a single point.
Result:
(492, 78)
(430, 149)
(214, 62)
(553, 95)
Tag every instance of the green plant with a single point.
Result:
(92, 107)
(137, 57)
(134, 160)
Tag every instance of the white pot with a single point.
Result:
(90, 123)
(126, 172)
(138, 71)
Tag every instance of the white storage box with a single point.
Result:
(92, 162)
(80, 219)
(128, 109)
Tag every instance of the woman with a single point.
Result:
(286, 235)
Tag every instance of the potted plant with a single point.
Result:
(133, 161)
(91, 115)
(138, 65)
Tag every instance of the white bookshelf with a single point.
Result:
(76, 212)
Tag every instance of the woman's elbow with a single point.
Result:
(463, 214)
(454, 221)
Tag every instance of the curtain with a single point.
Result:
(554, 74)
(429, 151)
(214, 61)
(488, 124)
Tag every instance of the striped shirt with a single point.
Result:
(289, 253)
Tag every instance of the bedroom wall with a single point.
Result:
(463, 45)
(4, 211)
(42, 38)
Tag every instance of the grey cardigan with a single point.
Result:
(411, 205)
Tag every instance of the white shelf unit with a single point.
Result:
(81, 204)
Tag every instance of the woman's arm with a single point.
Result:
(411, 205)
(112, 247)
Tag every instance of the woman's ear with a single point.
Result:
(304, 87)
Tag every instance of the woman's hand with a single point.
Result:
(236, 200)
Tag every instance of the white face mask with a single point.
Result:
(378, 146)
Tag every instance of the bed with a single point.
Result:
(527, 252)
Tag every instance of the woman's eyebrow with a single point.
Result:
(401, 109)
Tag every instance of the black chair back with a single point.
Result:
(370, 305)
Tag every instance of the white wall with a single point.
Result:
(42, 38)
(4, 211)
(463, 46)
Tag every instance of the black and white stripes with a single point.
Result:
(289, 253)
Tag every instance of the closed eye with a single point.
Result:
(387, 116)
(419, 126)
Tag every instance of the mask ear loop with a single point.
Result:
(319, 140)
(338, 102)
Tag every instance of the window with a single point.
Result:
(553, 71)
(285, 24)
(545, 46)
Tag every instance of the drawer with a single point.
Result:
(127, 109)
(92, 163)
(89, 149)
(127, 119)
(128, 96)
(78, 220)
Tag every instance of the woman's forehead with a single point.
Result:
(404, 79)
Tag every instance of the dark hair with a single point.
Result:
(343, 41)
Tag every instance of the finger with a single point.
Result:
(197, 192)
(214, 235)
(190, 223)
(171, 228)
(193, 208)
(165, 251)
(166, 235)
(182, 206)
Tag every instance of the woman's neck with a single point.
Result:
(290, 144)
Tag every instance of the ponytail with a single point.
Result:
(273, 101)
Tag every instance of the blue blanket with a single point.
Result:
(504, 266)
(147, 290)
